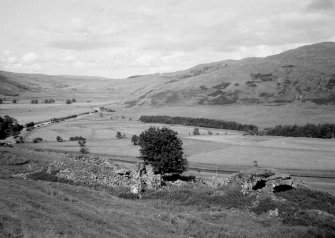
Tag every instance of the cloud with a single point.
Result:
(321, 5)
(120, 38)
(30, 58)
(81, 45)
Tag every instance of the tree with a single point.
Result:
(118, 135)
(135, 139)
(9, 127)
(82, 145)
(37, 140)
(30, 124)
(163, 150)
(196, 131)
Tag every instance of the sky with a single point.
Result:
(120, 38)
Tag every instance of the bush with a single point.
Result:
(37, 140)
(49, 101)
(76, 138)
(196, 131)
(118, 135)
(59, 139)
(34, 101)
(135, 139)
(73, 100)
(68, 101)
(14, 101)
(30, 124)
(204, 198)
(310, 199)
(163, 150)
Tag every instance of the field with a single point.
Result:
(225, 150)
(47, 209)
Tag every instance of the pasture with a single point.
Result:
(222, 148)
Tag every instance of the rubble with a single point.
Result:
(265, 180)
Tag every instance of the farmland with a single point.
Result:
(224, 150)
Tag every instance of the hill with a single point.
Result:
(306, 73)
(303, 74)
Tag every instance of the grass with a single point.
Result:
(202, 198)
(51, 207)
(9, 159)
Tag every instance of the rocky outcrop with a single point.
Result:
(266, 180)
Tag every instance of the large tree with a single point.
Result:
(9, 127)
(163, 150)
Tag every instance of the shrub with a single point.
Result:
(30, 124)
(135, 139)
(14, 101)
(210, 133)
(34, 101)
(163, 150)
(76, 138)
(83, 150)
(196, 131)
(1, 101)
(37, 140)
(310, 199)
(59, 139)
(68, 101)
(73, 100)
(118, 135)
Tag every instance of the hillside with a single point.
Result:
(303, 74)
(40, 86)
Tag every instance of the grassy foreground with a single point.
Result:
(36, 208)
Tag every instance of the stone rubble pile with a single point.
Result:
(265, 180)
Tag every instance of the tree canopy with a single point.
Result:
(9, 126)
(163, 150)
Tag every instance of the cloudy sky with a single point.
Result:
(119, 38)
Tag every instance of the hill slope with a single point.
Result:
(306, 73)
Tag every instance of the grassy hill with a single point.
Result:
(303, 74)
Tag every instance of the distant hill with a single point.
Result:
(27, 86)
(306, 74)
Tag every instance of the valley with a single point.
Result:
(295, 87)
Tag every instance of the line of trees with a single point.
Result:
(200, 122)
(325, 131)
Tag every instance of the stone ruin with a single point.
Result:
(264, 180)
(144, 178)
